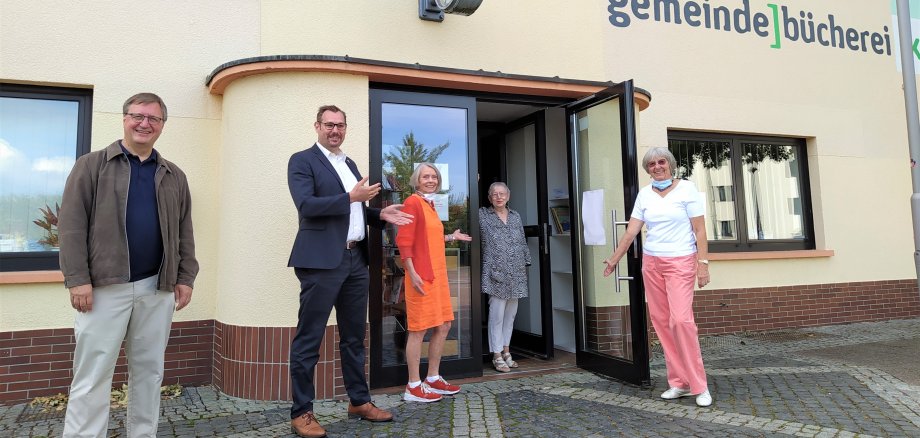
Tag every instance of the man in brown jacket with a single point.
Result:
(128, 258)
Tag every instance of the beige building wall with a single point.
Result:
(118, 50)
(266, 119)
(848, 105)
(544, 37)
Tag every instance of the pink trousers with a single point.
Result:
(669, 283)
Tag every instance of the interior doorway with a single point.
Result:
(524, 146)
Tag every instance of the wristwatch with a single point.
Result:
(704, 261)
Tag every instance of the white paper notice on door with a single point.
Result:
(592, 217)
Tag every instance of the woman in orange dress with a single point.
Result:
(421, 247)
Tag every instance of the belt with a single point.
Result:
(351, 244)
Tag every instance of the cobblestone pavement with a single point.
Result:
(762, 383)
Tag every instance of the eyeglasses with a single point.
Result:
(499, 195)
(660, 162)
(330, 126)
(139, 118)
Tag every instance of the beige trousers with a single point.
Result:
(141, 316)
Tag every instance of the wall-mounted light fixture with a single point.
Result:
(434, 10)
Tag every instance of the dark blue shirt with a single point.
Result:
(142, 223)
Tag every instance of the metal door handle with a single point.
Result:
(616, 240)
(545, 239)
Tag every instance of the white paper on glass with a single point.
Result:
(592, 217)
(440, 206)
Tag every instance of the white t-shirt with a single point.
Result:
(667, 219)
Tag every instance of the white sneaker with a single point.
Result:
(673, 393)
(704, 399)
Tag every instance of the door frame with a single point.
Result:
(635, 371)
(538, 346)
(381, 376)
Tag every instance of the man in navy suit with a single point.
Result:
(330, 260)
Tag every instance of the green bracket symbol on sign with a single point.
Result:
(916, 49)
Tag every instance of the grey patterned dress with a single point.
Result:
(505, 255)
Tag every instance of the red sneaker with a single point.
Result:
(441, 386)
(421, 393)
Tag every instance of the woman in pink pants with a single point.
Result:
(674, 257)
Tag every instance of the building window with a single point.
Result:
(42, 132)
(727, 229)
(722, 193)
(755, 189)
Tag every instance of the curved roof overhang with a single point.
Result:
(414, 75)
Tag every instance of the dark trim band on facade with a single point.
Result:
(413, 74)
(252, 362)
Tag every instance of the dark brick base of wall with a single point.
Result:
(252, 362)
(35, 363)
(772, 308)
(245, 362)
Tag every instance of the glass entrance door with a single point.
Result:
(525, 167)
(407, 129)
(611, 334)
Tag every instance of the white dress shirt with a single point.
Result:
(356, 226)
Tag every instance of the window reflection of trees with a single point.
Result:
(759, 159)
(772, 210)
(715, 154)
(398, 164)
(711, 154)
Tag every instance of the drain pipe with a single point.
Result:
(905, 38)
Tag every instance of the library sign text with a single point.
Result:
(778, 23)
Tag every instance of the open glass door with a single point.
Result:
(525, 143)
(406, 129)
(611, 332)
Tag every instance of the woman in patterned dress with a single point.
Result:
(421, 247)
(505, 256)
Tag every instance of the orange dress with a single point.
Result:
(433, 308)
